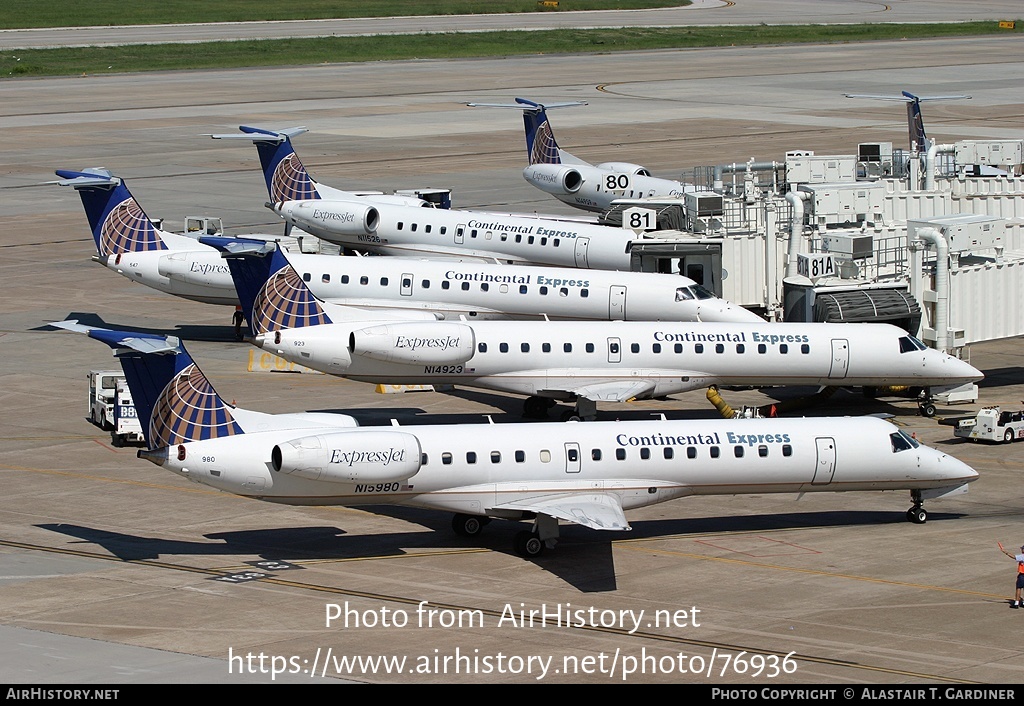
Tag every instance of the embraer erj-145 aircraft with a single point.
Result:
(585, 362)
(395, 229)
(452, 290)
(129, 243)
(572, 180)
(588, 474)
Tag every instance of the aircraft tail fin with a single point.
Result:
(273, 295)
(541, 147)
(118, 223)
(175, 402)
(915, 121)
(286, 177)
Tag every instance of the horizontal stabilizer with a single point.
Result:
(594, 510)
(524, 104)
(141, 342)
(239, 246)
(255, 134)
(87, 177)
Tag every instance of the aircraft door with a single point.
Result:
(406, 284)
(460, 234)
(617, 303)
(825, 469)
(572, 457)
(614, 350)
(840, 358)
(581, 252)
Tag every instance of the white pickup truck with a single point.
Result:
(992, 424)
(111, 407)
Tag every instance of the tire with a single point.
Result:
(570, 415)
(917, 515)
(468, 525)
(1009, 436)
(528, 545)
(928, 410)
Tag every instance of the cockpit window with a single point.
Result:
(901, 441)
(909, 344)
(703, 293)
(695, 292)
(683, 294)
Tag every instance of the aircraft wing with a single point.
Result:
(594, 510)
(614, 391)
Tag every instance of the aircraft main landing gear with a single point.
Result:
(469, 525)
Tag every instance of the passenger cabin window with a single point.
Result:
(740, 348)
(306, 277)
(678, 348)
(595, 454)
(668, 453)
(584, 293)
(482, 347)
(364, 280)
(325, 278)
(446, 284)
(634, 347)
(520, 456)
(656, 348)
(503, 347)
(783, 348)
(787, 450)
(545, 347)
(805, 348)
(524, 347)
(545, 456)
(645, 453)
(620, 454)
(719, 348)
(471, 457)
(698, 348)
(590, 347)
(446, 458)
(465, 286)
(344, 279)
(567, 347)
(737, 451)
(495, 456)
(715, 452)
(483, 286)
(762, 451)
(762, 348)
(383, 281)
(691, 452)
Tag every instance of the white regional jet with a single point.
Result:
(584, 362)
(588, 474)
(453, 290)
(129, 243)
(370, 225)
(576, 182)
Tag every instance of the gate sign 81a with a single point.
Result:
(815, 266)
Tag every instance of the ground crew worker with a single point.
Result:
(1020, 575)
(237, 318)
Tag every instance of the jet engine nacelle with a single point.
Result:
(554, 178)
(194, 267)
(427, 342)
(625, 168)
(343, 217)
(350, 457)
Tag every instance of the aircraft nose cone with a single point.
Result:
(963, 369)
